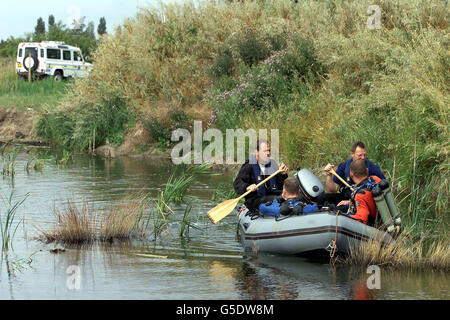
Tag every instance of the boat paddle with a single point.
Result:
(225, 208)
(342, 180)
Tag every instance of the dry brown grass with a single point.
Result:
(123, 219)
(74, 225)
(439, 255)
(404, 252)
(83, 224)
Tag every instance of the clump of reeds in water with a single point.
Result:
(175, 192)
(76, 225)
(128, 218)
(8, 157)
(123, 220)
(403, 252)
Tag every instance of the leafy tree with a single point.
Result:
(101, 29)
(40, 27)
(8, 48)
(51, 21)
(57, 32)
(78, 34)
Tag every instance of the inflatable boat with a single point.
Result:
(298, 234)
(323, 230)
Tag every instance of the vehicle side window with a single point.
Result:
(66, 54)
(53, 54)
(76, 56)
(42, 53)
(20, 52)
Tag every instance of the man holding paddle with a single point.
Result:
(259, 180)
(255, 170)
(334, 184)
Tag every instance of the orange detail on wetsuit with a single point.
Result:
(365, 205)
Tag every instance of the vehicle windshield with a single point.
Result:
(77, 56)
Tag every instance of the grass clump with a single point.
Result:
(77, 129)
(74, 225)
(85, 225)
(123, 220)
(175, 191)
(405, 252)
(9, 156)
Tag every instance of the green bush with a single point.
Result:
(301, 61)
(268, 84)
(251, 47)
(162, 132)
(78, 129)
(223, 64)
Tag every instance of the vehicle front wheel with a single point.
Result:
(58, 76)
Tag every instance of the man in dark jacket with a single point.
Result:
(254, 170)
(337, 192)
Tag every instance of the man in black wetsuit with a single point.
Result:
(254, 170)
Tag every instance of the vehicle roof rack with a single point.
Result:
(53, 42)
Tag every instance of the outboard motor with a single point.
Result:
(310, 186)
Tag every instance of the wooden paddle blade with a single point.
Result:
(222, 210)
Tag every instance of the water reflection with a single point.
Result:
(280, 277)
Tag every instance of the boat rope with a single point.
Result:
(241, 209)
(334, 242)
(280, 218)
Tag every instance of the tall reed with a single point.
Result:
(175, 191)
(8, 223)
(9, 159)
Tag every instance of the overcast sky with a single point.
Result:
(18, 17)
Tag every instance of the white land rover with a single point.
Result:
(50, 58)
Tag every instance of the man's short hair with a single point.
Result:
(358, 144)
(259, 142)
(358, 168)
(291, 185)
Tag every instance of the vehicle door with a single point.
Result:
(77, 63)
(69, 69)
(30, 58)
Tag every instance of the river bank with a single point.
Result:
(17, 125)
